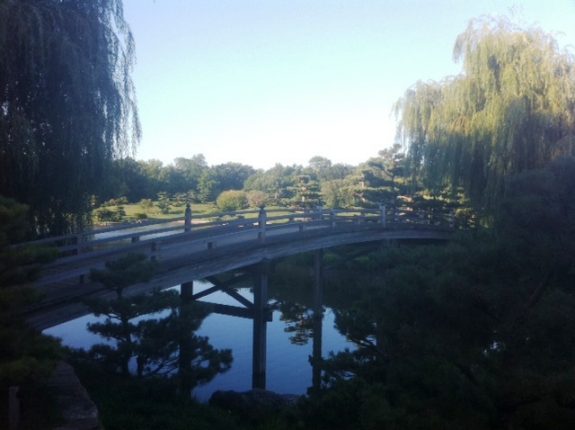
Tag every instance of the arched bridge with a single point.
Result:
(199, 246)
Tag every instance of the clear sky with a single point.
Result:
(267, 81)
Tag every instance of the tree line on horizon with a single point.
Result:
(328, 184)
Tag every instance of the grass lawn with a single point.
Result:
(151, 212)
(154, 213)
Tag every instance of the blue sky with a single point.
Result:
(267, 81)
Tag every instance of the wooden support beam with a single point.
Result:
(260, 328)
(316, 359)
(235, 311)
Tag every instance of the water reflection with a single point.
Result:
(168, 341)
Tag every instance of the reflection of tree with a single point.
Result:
(299, 321)
(478, 333)
(152, 332)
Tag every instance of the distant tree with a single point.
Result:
(230, 176)
(192, 169)
(163, 203)
(278, 182)
(324, 170)
(156, 175)
(127, 177)
(207, 187)
(337, 193)
(67, 104)
(308, 193)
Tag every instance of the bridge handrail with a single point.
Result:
(221, 228)
(208, 236)
(86, 241)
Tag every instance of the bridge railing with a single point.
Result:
(98, 239)
(208, 230)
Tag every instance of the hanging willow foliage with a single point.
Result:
(511, 109)
(67, 104)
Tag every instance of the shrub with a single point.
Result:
(257, 199)
(232, 200)
(139, 216)
(146, 204)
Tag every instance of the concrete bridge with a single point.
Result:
(200, 246)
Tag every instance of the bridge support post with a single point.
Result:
(260, 327)
(187, 292)
(316, 359)
(262, 220)
(185, 340)
(382, 215)
(188, 218)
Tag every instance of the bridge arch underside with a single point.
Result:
(233, 257)
(223, 259)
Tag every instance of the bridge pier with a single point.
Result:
(187, 291)
(260, 327)
(316, 359)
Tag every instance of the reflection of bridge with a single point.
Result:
(200, 246)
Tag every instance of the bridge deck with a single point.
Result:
(207, 249)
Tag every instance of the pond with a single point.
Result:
(289, 340)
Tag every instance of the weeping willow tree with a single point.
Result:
(67, 104)
(511, 109)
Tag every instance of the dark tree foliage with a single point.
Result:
(25, 355)
(477, 334)
(67, 104)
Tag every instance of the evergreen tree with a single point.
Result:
(26, 356)
(152, 331)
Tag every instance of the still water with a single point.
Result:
(288, 367)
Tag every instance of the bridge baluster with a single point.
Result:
(79, 243)
(382, 215)
(188, 218)
(262, 220)
(319, 213)
(154, 251)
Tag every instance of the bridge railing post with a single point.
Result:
(262, 220)
(81, 240)
(319, 213)
(188, 218)
(382, 215)
(332, 218)
(154, 251)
